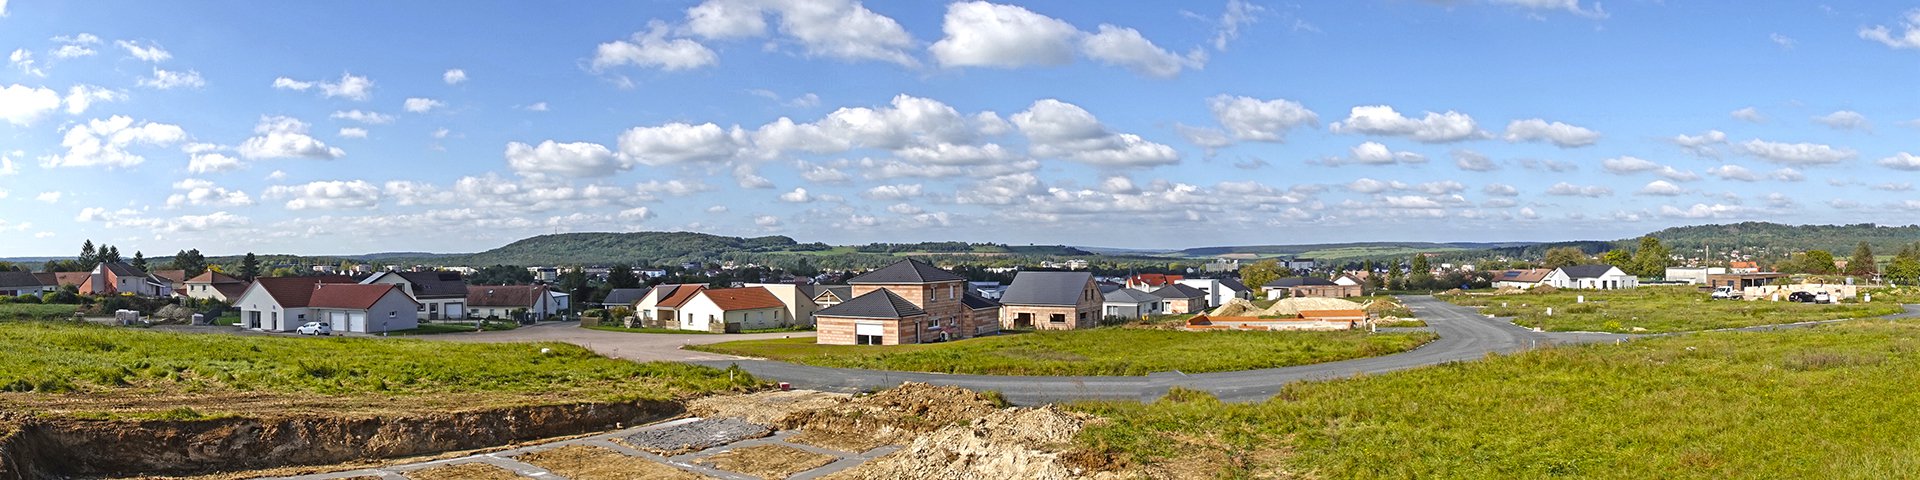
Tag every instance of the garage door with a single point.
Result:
(337, 320)
(456, 310)
(357, 322)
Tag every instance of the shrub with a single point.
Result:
(26, 299)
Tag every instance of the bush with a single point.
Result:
(26, 299)
(63, 296)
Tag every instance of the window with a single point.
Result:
(866, 339)
(1057, 318)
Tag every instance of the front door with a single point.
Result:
(1023, 320)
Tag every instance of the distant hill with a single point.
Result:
(1779, 239)
(1335, 251)
(639, 248)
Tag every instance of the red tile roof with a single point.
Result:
(296, 292)
(72, 278)
(681, 295)
(212, 277)
(1154, 279)
(350, 295)
(751, 298)
(504, 295)
(1744, 265)
(175, 276)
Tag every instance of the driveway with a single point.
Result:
(1465, 334)
(639, 347)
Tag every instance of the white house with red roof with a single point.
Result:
(733, 310)
(282, 304)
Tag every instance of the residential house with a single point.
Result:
(910, 301)
(798, 300)
(562, 301)
(1308, 287)
(1051, 301)
(623, 297)
(981, 311)
(1301, 264)
(65, 279)
(358, 308)
(111, 278)
(658, 307)
(988, 290)
(1218, 290)
(280, 304)
(214, 285)
(24, 283)
(1348, 280)
(1743, 267)
(1693, 275)
(1151, 281)
(441, 294)
(1181, 299)
(175, 280)
(510, 302)
(829, 295)
(1521, 279)
(1592, 277)
(730, 310)
(1130, 304)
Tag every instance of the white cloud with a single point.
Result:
(1376, 153)
(838, 29)
(1472, 161)
(679, 143)
(1700, 210)
(200, 163)
(105, 142)
(1432, 128)
(636, 214)
(579, 159)
(80, 97)
(798, 195)
(893, 192)
(1797, 153)
(353, 132)
(75, 46)
(1627, 165)
(285, 137)
(1894, 187)
(536, 107)
(21, 104)
(150, 52)
(1569, 6)
(23, 60)
(1260, 120)
(905, 209)
(1500, 190)
(442, 132)
(1126, 48)
(822, 174)
(1907, 36)
(168, 80)
(370, 118)
(746, 177)
(1239, 13)
(1844, 120)
(1787, 175)
(1901, 161)
(422, 105)
(652, 49)
(48, 197)
(1703, 144)
(1560, 134)
(327, 195)
(6, 165)
(982, 34)
(284, 83)
(1208, 138)
(277, 175)
(1749, 114)
(1734, 172)
(128, 218)
(1565, 189)
(350, 86)
(454, 76)
(1785, 42)
(1059, 129)
(1662, 188)
(198, 192)
(766, 221)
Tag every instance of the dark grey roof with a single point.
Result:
(1128, 295)
(1106, 288)
(125, 269)
(880, 303)
(908, 271)
(1234, 284)
(436, 284)
(625, 296)
(1300, 282)
(976, 302)
(1175, 290)
(1586, 271)
(843, 292)
(1046, 288)
(19, 279)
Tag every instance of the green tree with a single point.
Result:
(249, 267)
(1620, 258)
(1817, 261)
(1564, 257)
(1905, 268)
(620, 275)
(1421, 274)
(88, 256)
(1260, 273)
(1652, 259)
(139, 261)
(191, 261)
(110, 254)
(1862, 263)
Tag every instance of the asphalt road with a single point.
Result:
(1465, 334)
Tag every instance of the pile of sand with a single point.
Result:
(1293, 306)
(1235, 307)
(1025, 443)
(764, 408)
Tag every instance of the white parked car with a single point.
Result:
(315, 328)
(1726, 293)
(1822, 297)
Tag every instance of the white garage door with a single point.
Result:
(337, 320)
(456, 310)
(357, 322)
(868, 329)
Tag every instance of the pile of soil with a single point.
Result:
(774, 462)
(891, 417)
(1293, 306)
(696, 436)
(580, 462)
(1025, 443)
(1235, 307)
(465, 471)
(765, 408)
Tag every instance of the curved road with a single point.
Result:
(1465, 334)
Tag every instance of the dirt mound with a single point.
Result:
(1293, 306)
(1022, 443)
(1233, 308)
(890, 417)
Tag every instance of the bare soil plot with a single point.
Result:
(696, 436)
(464, 471)
(772, 462)
(580, 462)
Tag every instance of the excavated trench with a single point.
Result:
(52, 448)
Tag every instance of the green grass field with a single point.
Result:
(92, 361)
(1100, 351)
(1657, 309)
(1834, 401)
(35, 311)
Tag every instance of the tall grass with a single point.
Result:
(1100, 351)
(83, 359)
(1658, 309)
(1834, 401)
(35, 311)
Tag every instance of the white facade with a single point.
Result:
(1613, 279)
(700, 313)
(561, 301)
(800, 306)
(1131, 310)
(260, 311)
(1693, 275)
(1217, 293)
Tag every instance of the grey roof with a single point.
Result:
(125, 269)
(1175, 290)
(1046, 288)
(976, 302)
(436, 284)
(1300, 282)
(1586, 271)
(1234, 284)
(19, 279)
(1128, 295)
(1107, 287)
(908, 271)
(843, 292)
(625, 296)
(880, 303)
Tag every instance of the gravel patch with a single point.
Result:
(696, 436)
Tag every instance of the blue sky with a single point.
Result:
(352, 127)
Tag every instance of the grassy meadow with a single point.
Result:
(1833, 401)
(35, 311)
(1099, 351)
(1657, 310)
(40, 361)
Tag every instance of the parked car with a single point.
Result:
(1725, 293)
(1823, 297)
(1800, 297)
(315, 328)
